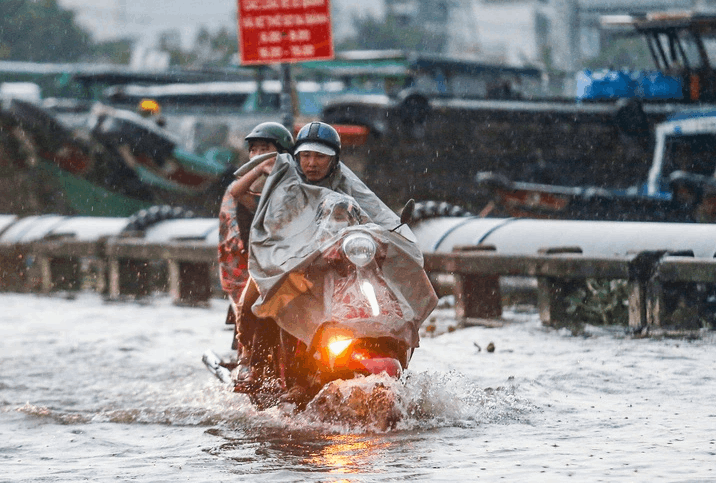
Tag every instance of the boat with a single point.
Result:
(424, 144)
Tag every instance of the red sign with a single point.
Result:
(272, 31)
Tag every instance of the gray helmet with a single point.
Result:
(275, 133)
(314, 134)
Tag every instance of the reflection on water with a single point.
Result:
(99, 392)
(343, 456)
(282, 446)
(347, 454)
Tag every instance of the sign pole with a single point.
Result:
(287, 107)
(273, 32)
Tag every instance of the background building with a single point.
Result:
(560, 35)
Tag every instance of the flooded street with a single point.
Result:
(101, 391)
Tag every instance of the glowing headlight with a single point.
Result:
(359, 248)
(337, 347)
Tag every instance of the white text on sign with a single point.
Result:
(258, 5)
(276, 36)
(280, 20)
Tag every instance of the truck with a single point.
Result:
(680, 185)
(429, 145)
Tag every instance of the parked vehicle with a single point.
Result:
(680, 185)
(115, 165)
(601, 135)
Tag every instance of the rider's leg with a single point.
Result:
(231, 320)
(245, 319)
(245, 331)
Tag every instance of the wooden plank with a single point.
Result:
(67, 248)
(140, 250)
(558, 265)
(686, 269)
(637, 303)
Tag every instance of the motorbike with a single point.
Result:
(350, 306)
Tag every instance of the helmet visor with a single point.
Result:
(317, 147)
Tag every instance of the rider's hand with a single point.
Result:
(247, 184)
(267, 166)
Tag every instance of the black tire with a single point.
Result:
(437, 209)
(631, 118)
(143, 219)
(414, 109)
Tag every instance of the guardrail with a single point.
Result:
(477, 270)
(54, 253)
(118, 267)
(121, 264)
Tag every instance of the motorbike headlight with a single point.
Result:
(359, 248)
(337, 347)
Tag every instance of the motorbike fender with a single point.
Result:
(382, 364)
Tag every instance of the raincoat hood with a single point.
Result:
(287, 237)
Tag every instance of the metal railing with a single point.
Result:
(182, 260)
(477, 270)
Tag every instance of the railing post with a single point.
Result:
(477, 296)
(128, 277)
(637, 303)
(45, 273)
(645, 300)
(655, 303)
(113, 279)
(663, 304)
(189, 282)
(551, 291)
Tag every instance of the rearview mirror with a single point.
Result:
(407, 214)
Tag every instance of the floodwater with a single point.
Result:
(101, 391)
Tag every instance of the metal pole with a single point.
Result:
(286, 97)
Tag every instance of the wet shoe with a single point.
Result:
(246, 379)
(297, 395)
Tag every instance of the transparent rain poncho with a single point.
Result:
(305, 280)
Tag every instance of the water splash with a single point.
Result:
(373, 404)
(58, 417)
(417, 401)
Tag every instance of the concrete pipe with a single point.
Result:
(593, 238)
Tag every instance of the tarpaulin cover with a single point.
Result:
(293, 237)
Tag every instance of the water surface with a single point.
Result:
(101, 391)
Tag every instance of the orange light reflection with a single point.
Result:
(349, 454)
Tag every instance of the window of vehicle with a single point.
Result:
(692, 154)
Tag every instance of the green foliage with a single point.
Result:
(113, 51)
(43, 31)
(630, 53)
(209, 49)
(389, 33)
(600, 302)
(40, 31)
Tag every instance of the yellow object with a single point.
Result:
(149, 107)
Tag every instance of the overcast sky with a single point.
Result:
(144, 19)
